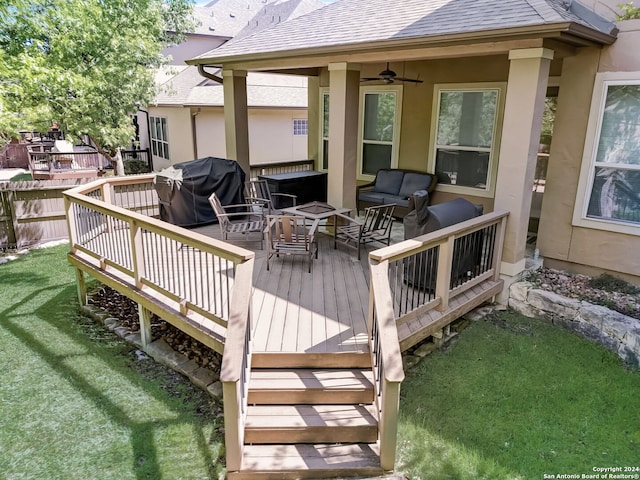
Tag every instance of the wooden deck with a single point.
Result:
(290, 338)
(295, 311)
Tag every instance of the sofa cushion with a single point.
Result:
(412, 182)
(388, 181)
(372, 197)
(387, 199)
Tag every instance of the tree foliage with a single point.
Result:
(83, 64)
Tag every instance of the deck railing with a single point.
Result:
(46, 164)
(199, 284)
(281, 167)
(409, 279)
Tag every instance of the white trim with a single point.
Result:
(500, 88)
(395, 142)
(587, 169)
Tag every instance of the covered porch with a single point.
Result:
(466, 96)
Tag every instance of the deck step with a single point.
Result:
(271, 424)
(308, 461)
(310, 386)
(311, 360)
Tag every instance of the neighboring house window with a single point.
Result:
(463, 140)
(300, 127)
(379, 128)
(609, 195)
(324, 121)
(159, 138)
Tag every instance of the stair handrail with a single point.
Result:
(384, 314)
(235, 368)
(386, 359)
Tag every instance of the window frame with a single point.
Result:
(154, 141)
(494, 150)
(395, 142)
(588, 166)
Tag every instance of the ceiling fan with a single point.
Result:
(389, 76)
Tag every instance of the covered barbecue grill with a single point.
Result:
(184, 189)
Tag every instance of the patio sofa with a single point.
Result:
(393, 185)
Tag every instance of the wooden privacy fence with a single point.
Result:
(32, 212)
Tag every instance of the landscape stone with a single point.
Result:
(613, 330)
(425, 349)
(410, 361)
(215, 389)
(122, 332)
(135, 339)
(203, 377)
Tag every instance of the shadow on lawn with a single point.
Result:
(60, 312)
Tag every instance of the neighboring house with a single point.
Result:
(186, 119)
(485, 69)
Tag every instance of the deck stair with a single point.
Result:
(310, 421)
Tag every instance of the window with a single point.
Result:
(300, 126)
(159, 138)
(464, 137)
(610, 177)
(379, 130)
(378, 126)
(324, 121)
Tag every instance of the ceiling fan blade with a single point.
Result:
(370, 79)
(414, 80)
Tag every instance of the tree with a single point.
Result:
(83, 64)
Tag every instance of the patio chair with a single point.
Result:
(376, 227)
(243, 222)
(291, 235)
(257, 193)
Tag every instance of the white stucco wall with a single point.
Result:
(271, 136)
(179, 134)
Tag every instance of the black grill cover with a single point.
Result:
(184, 189)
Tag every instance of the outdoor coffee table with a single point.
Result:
(316, 211)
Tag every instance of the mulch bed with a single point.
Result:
(126, 310)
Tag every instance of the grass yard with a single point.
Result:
(75, 400)
(516, 398)
(512, 398)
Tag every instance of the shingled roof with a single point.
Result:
(350, 23)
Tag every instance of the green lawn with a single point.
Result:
(515, 398)
(511, 398)
(75, 401)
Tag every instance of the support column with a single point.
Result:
(313, 120)
(524, 108)
(236, 121)
(344, 80)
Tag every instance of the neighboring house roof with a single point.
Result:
(356, 23)
(189, 89)
(227, 18)
(180, 86)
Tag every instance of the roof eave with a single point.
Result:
(582, 34)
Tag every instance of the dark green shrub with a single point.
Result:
(609, 283)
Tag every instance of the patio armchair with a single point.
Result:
(291, 235)
(376, 227)
(243, 221)
(257, 193)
